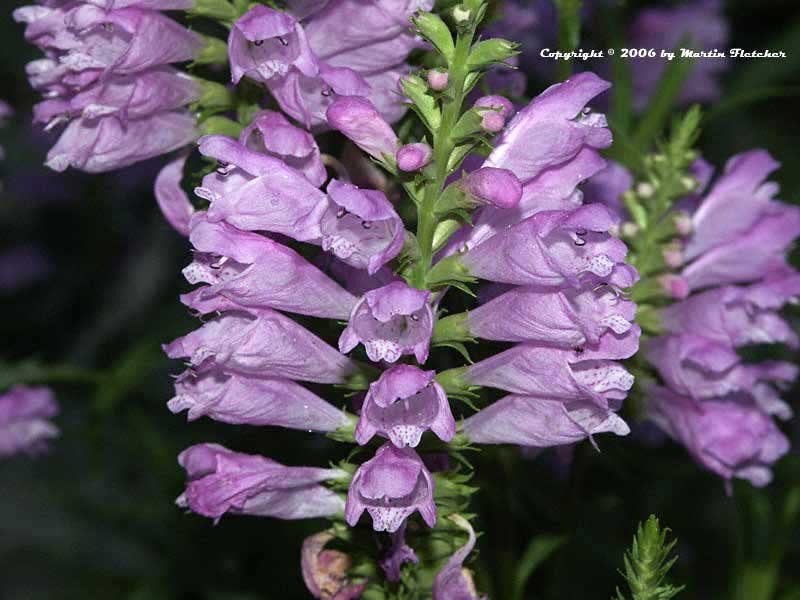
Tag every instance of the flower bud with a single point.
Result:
(493, 122)
(499, 187)
(499, 103)
(438, 80)
(413, 157)
(675, 286)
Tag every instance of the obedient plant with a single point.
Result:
(346, 293)
(494, 196)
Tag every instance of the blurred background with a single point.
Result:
(89, 279)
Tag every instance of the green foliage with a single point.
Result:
(648, 562)
(569, 31)
(538, 551)
(663, 179)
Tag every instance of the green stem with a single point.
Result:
(442, 149)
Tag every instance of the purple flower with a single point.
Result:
(551, 146)
(403, 404)
(705, 26)
(308, 98)
(266, 43)
(24, 420)
(256, 192)
(97, 42)
(729, 437)
(454, 582)
(552, 248)
(736, 202)
(552, 129)
(391, 321)
(749, 255)
(128, 97)
(255, 272)
(497, 187)
(607, 186)
(325, 571)
(361, 227)
(396, 555)
(699, 367)
(262, 343)
(172, 200)
(554, 189)
(358, 119)
(222, 481)
(540, 423)
(271, 133)
(372, 39)
(589, 373)
(738, 315)
(390, 487)
(572, 318)
(412, 157)
(241, 400)
(107, 143)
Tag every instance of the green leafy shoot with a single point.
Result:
(647, 564)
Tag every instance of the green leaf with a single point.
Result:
(491, 52)
(435, 30)
(663, 101)
(539, 550)
(569, 31)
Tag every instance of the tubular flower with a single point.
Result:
(25, 414)
(390, 486)
(106, 74)
(222, 481)
(391, 321)
(402, 405)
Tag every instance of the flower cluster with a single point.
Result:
(106, 73)
(731, 257)
(318, 51)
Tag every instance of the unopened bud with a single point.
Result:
(675, 286)
(629, 229)
(461, 14)
(413, 157)
(438, 80)
(683, 223)
(645, 190)
(492, 122)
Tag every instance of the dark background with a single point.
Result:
(95, 518)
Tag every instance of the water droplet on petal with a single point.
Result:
(283, 41)
(341, 213)
(366, 224)
(258, 43)
(580, 242)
